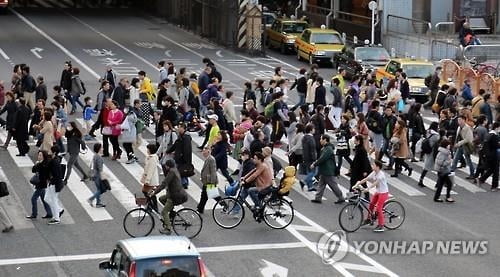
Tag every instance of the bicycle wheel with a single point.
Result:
(187, 222)
(228, 213)
(138, 223)
(278, 213)
(351, 217)
(394, 214)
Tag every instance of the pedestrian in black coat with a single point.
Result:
(20, 129)
(119, 93)
(360, 166)
(11, 108)
(183, 151)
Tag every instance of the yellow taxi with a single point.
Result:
(416, 70)
(283, 32)
(318, 45)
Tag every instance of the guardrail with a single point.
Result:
(407, 26)
(483, 52)
(445, 27)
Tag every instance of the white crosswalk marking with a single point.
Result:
(12, 206)
(82, 193)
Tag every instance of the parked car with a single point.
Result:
(268, 18)
(3, 5)
(416, 71)
(318, 45)
(283, 32)
(357, 59)
(154, 256)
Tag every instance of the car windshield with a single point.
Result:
(419, 71)
(371, 54)
(294, 27)
(171, 266)
(268, 19)
(326, 38)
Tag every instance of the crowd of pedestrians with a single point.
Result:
(367, 120)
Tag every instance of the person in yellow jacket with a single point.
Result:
(287, 181)
(340, 76)
(146, 90)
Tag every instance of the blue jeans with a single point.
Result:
(458, 154)
(302, 101)
(309, 177)
(34, 205)
(243, 195)
(185, 182)
(98, 192)
(75, 100)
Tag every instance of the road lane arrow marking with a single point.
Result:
(3, 54)
(218, 53)
(273, 270)
(36, 52)
(167, 53)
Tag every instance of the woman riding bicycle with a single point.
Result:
(175, 195)
(377, 179)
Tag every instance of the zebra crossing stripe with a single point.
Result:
(12, 207)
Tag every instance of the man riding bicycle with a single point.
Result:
(377, 179)
(262, 177)
(175, 195)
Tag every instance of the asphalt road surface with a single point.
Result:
(129, 41)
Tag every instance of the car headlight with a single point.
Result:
(415, 89)
(319, 53)
(290, 40)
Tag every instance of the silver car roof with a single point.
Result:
(157, 247)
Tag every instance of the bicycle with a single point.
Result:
(480, 67)
(351, 215)
(276, 212)
(140, 221)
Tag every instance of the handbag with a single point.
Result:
(35, 180)
(107, 131)
(212, 191)
(4, 191)
(105, 185)
(185, 170)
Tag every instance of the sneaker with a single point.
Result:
(378, 229)
(165, 231)
(100, 205)
(130, 161)
(450, 200)
(8, 229)
(316, 201)
(312, 189)
(31, 217)
(53, 222)
(136, 159)
(410, 170)
(438, 200)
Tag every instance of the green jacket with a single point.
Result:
(326, 162)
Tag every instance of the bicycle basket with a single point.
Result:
(141, 201)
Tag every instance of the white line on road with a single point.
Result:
(98, 256)
(3, 54)
(218, 53)
(167, 53)
(112, 40)
(57, 44)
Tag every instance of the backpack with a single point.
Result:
(269, 109)
(84, 90)
(428, 80)
(217, 75)
(205, 97)
(374, 125)
(426, 145)
(191, 99)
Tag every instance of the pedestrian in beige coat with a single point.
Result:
(46, 128)
(399, 141)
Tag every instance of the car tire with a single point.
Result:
(282, 49)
